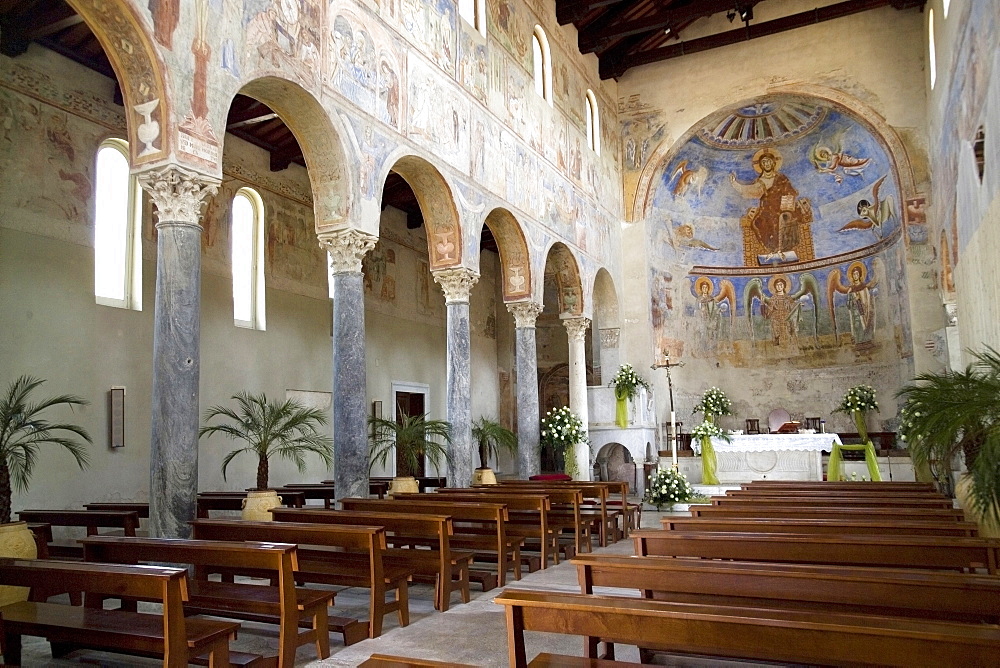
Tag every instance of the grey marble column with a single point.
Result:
(457, 283)
(576, 329)
(178, 195)
(526, 362)
(350, 377)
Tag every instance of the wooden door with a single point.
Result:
(409, 404)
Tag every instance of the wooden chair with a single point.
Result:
(813, 423)
(753, 426)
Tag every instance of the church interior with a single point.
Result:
(470, 209)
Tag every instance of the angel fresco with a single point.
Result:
(860, 301)
(782, 309)
(872, 215)
(684, 179)
(835, 161)
(712, 307)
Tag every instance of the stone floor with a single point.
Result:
(473, 633)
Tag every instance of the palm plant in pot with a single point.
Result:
(23, 429)
(492, 439)
(286, 429)
(958, 412)
(411, 438)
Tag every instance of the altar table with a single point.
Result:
(769, 456)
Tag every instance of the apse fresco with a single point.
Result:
(783, 216)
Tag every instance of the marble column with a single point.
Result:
(457, 283)
(576, 328)
(526, 364)
(178, 195)
(350, 378)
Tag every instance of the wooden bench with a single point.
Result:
(745, 633)
(496, 547)
(840, 494)
(140, 508)
(68, 627)
(528, 517)
(885, 527)
(448, 568)
(893, 592)
(593, 505)
(931, 552)
(282, 604)
(358, 562)
(834, 500)
(391, 661)
(831, 512)
(838, 485)
(424, 483)
(92, 520)
(207, 502)
(630, 512)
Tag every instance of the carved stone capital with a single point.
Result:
(525, 313)
(456, 282)
(577, 328)
(177, 193)
(346, 248)
(609, 338)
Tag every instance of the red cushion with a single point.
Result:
(550, 476)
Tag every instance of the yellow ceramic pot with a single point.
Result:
(16, 541)
(403, 485)
(257, 505)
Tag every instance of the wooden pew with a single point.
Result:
(282, 603)
(882, 591)
(448, 568)
(67, 627)
(359, 564)
(846, 525)
(594, 494)
(840, 494)
(93, 520)
(930, 552)
(631, 512)
(469, 520)
(533, 507)
(376, 488)
(391, 661)
(744, 633)
(831, 512)
(206, 502)
(834, 500)
(837, 485)
(140, 508)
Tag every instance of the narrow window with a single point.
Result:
(542, 64)
(117, 272)
(474, 13)
(930, 46)
(247, 232)
(593, 123)
(947, 4)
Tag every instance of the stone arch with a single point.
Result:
(560, 259)
(663, 153)
(606, 305)
(140, 72)
(437, 204)
(321, 141)
(515, 259)
(606, 325)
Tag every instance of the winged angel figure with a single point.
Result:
(873, 214)
(781, 308)
(860, 300)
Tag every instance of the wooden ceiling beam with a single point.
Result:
(27, 22)
(572, 11)
(602, 33)
(284, 156)
(609, 69)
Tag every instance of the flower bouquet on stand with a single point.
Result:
(858, 402)
(626, 383)
(562, 430)
(709, 463)
(714, 404)
(667, 487)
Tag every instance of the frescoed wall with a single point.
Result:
(775, 228)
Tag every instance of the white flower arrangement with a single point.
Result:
(714, 403)
(627, 382)
(561, 429)
(668, 486)
(859, 399)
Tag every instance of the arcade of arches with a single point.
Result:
(789, 216)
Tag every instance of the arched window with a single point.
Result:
(932, 55)
(117, 256)
(474, 13)
(542, 64)
(946, 4)
(247, 233)
(593, 123)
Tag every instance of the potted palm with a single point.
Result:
(412, 438)
(491, 438)
(23, 428)
(283, 428)
(958, 412)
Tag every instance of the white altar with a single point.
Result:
(772, 456)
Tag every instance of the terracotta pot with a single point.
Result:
(403, 485)
(16, 541)
(988, 527)
(257, 504)
(483, 477)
